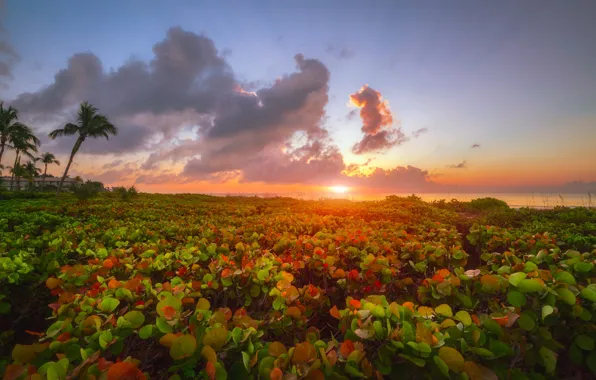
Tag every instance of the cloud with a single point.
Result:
(185, 80)
(461, 165)
(419, 132)
(475, 146)
(8, 54)
(339, 52)
(376, 122)
(399, 179)
(112, 164)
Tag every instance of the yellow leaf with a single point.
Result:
(203, 304)
(209, 354)
(216, 337)
(168, 339)
(453, 359)
(426, 312)
(423, 333)
(276, 349)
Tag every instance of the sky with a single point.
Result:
(276, 97)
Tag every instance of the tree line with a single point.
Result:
(17, 136)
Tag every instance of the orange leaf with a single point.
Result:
(334, 312)
(355, 304)
(276, 374)
(114, 284)
(346, 348)
(125, 371)
(169, 312)
(13, 371)
(210, 368)
(226, 273)
(53, 282)
(294, 312)
(108, 264)
(35, 333)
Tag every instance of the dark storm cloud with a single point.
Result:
(248, 124)
(185, 79)
(475, 146)
(8, 54)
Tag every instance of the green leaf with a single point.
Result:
(482, 352)
(163, 326)
(109, 304)
(146, 331)
(492, 326)
(135, 318)
(516, 278)
(583, 267)
(591, 362)
(440, 363)
(464, 317)
(566, 296)
(589, 293)
(417, 361)
(444, 310)
(263, 274)
(549, 359)
(565, 277)
(530, 286)
(584, 342)
(516, 298)
(546, 311)
(526, 322)
(246, 360)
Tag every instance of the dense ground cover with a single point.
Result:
(190, 286)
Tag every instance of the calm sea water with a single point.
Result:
(516, 200)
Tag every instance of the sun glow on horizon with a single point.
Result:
(339, 189)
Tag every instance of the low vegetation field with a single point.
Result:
(198, 287)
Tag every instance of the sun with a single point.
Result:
(339, 189)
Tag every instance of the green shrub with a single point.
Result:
(86, 191)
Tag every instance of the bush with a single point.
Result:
(125, 194)
(488, 204)
(86, 191)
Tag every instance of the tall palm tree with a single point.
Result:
(89, 124)
(24, 142)
(47, 159)
(9, 126)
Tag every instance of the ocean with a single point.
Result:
(515, 200)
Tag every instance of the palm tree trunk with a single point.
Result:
(19, 176)
(2, 145)
(43, 180)
(75, 148)
(13, 169)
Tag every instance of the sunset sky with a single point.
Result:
(284, 96)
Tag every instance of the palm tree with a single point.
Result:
(23, 142)
(30, 170)
(89, 124)
(9, 126)
(47, 159)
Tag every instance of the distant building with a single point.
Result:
(37, 182)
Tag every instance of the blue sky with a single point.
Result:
(516, 77)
